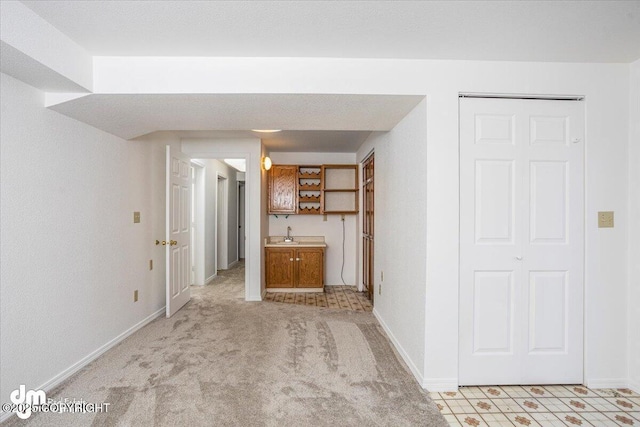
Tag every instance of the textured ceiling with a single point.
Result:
(563, 31)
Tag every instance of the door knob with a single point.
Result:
(164, 242)
(173, 242)
(519, 258)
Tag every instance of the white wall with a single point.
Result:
(257, 225)
(314, 225)
(400, 233)
(213, 169)
(70, 253)
(634, 226)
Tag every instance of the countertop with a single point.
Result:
(298, 242)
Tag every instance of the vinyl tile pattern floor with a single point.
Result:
(342, 297)
(558, 405)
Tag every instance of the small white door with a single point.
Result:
(178, 230)
(241, 225)
(521, 241)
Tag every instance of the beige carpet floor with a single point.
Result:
(221, 361)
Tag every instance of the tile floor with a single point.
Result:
(539, 406)
(341, 297)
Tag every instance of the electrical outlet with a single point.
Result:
(136, 217)
(150, 264)
(605, 219)
(135, 296)
(324, 217)
(380, 289)
(381, 276)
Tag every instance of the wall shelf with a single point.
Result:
(340, 189)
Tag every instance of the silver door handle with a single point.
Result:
(519, 258)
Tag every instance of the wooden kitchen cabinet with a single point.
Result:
(313, 189)
(283, 189)
(280, 267)
(294, 267)
(310, 267)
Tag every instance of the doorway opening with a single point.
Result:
(218, 204)
(368, 226)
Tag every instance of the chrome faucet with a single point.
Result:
(288, 238)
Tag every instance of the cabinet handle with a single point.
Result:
(290, 259)
(297, 259)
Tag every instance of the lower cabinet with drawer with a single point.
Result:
(295, 268)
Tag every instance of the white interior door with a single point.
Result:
(241, 226)
(178, 230)
(521, 241)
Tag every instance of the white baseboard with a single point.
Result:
(67, 373)
(635, 386)
(607, 383)
(401, 351)
(440, 384)
(210, 278)
(232, 264)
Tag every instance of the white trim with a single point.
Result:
(521, 96)
(634, 386)
(210, 278)
(607, 383)
(67, 373)
(232, 264)
(414, 370)
(440, 384)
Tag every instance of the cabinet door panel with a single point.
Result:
(310, 263)
(283, 189)
(279, 267)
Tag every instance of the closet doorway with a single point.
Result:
(368, 225)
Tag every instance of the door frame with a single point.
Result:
(368, 276)
(241, 216)
(199, 219)
(253, 167)
(222, 222)
(533, 97)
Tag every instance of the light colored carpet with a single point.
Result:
(221, 361)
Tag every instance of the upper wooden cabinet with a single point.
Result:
(283, 189)
(313, 189)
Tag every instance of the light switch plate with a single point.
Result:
(136, 217)
(605, 219)
(135, 296)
